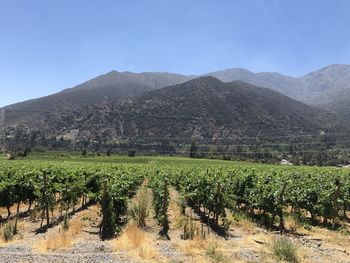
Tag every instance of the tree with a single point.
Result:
(131, 152)
(194, 149)
(17, 142)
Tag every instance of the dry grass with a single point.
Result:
(22, 208)
(283, 248)
(3, 211)
(208, 250)
(3, 239)
(242, 221)
(60, 239)
(137, 242)
(91, 213)
(21, 228)
(293, 224)
(332, 237)
(135, 236)
(139, 209)
(174, 209)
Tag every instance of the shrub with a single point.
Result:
(284, 249)
(189, 228)
(8, 232)
(139, 210)
(213, 253)
(132, 153)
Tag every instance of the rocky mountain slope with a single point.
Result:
(204, 107)
(327, 84)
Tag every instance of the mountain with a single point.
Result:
(326, 85)
(286, 85)
(116, 80)
(341, 106)
(204, 107)
(320, 87)
(112, 86)
(324, 88)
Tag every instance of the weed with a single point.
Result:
(139, 210)
(284, 249)
(214, 254)
(8, 232)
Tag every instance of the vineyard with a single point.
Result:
(211, 196)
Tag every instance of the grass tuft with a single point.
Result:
(214, 254)
(136, 240)
(8, 232)
(284, 249)
(139, 210)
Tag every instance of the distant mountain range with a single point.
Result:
(205, 108)
(121, 104)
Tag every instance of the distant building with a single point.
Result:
(285, 162)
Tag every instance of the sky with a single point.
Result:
(47, 46)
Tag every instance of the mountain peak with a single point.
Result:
(205, 79)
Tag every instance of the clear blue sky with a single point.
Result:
(49, 45)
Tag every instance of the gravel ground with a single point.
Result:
(22, 257)
(99, 252)
(249, 254)
(169, 251)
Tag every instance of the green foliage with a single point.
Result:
(108, 225)
(208, 186)
(194, 149)
(131, 152)
(49, 184)
(160, 187)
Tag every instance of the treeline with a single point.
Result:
(321, 150)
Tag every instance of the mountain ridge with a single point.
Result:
(203, 107)
(295, 87)
(115, 86)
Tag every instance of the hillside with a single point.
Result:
(112, 86)
(327, 84)
(204, 108)
(341, 106)
(322, 87)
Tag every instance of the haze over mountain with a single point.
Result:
(328, 84)
(316, 88)
(289, 86)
